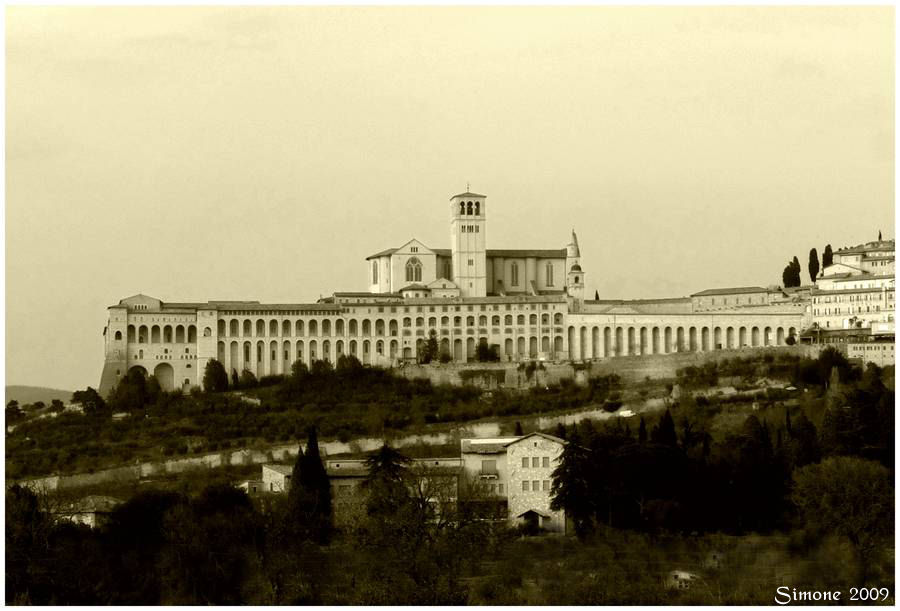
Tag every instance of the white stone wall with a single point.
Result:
(531, 448)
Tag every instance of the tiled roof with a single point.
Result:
(468, 194)
(732, 291)
(551, 253)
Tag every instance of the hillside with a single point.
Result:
(32, 394)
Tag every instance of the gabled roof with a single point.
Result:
(449, 284)
(553, 438)
(523, 253)
(468, 194)
(415, 287)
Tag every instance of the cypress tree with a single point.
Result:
(571, 490)
(309, 497)
(827, 256)
(664, 433)
(519, 431)
(813, 264)
(642, 431)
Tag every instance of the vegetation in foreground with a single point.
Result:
(344, 402)
(666, 497)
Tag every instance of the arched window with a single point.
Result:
(374, 272)
(514, 274)
(207, 332)
(118, 335)
(477, 208)
(469, 208)
(462, 208)
(549, 274)
(413, 270)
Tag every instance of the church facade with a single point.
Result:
(529, 303)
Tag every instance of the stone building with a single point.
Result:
(528, 303)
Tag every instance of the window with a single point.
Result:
(549, 274)
(524, 462)
(118, 335)
(413, 249)
(535, 486)
(469, 208)
(535, 462)
(525, 486)
(489, 467)
(471, 261)
(546, 464)
(413, 270)
(374, 272)
(546, 484)
(514, 274)
(477, 208)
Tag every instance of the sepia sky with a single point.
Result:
(263, 153)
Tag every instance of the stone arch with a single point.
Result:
(286, 356)
(667, 340)
(545, 343)
(298, 328)
(260, 327)
(220, 327)
(273, 357)
(754, 336)
(692, 339)
(595, 341)
(139, 368)
(717, 338)
(313, 350)
(233, 362)
(654, 340)
(557, 319)
(558, 343)
(220, 352)
(353, 348)
(379, 347)
(642, 341)
(143, 334)
(779, 336)
(118, 335)
(545, 319)
(367, 328)
(247, 330)
(767, 336)
(354, 327)
(233, 327)
(508, 347)
(165, 375)
(299, 355)
(326, 350)
(167, 332)
(533, 347)
(154, 334)
(339, 326)
(392, 328)
(532, 319)
(248, 357)
(520, 347)
(445, 346)
(367, 351)
(395, 345)
(704, 338)
(326, 326)
(132, 333)
(585, 347)
(729, 338)
(286, 328)
(273, 328)
(470, 348)
(192, 334)
(607, 342)
(572, 355)
(260, 358)
(620, 341)
(742, 337)
(680, 345)
(312, 328)
(457, 350)
(508, 320)
(338, 349)
(630, 344)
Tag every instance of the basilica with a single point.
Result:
(528, 303)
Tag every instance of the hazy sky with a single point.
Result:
(263, 153)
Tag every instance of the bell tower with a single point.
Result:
(574, 275)
(468, 240)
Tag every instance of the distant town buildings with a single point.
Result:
(856, 292)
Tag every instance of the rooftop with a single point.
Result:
(737, 290)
